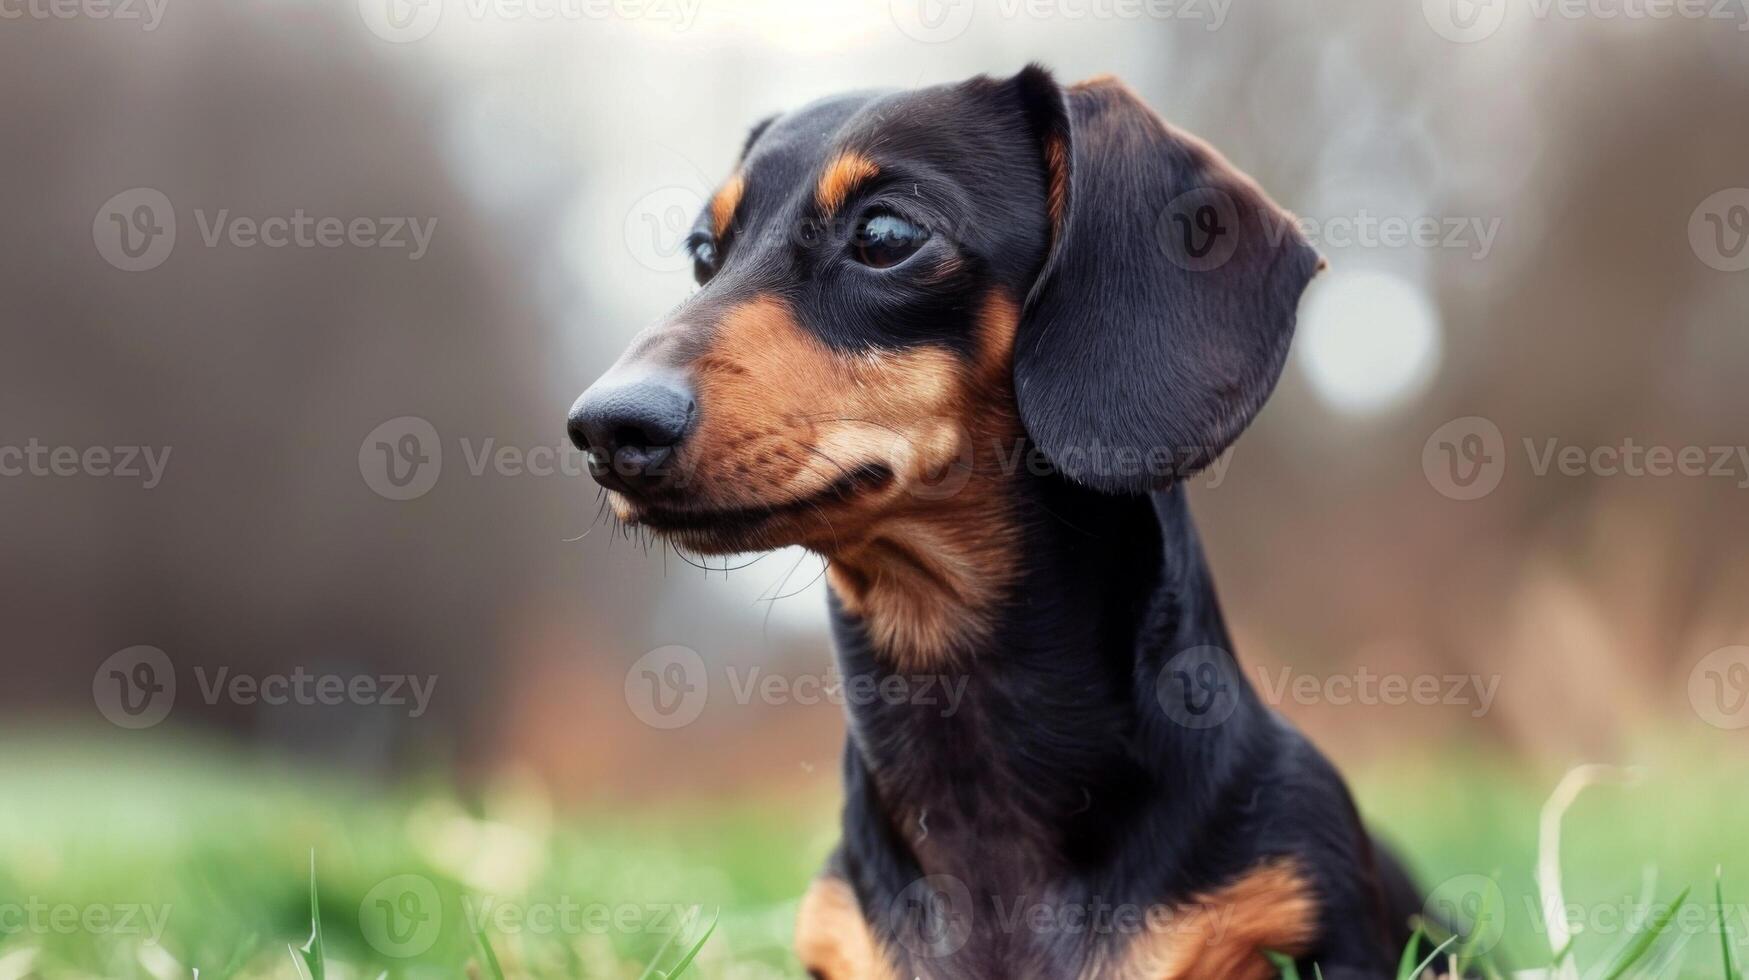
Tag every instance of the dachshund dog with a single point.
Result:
(967, 342)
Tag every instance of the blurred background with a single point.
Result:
(296, 294)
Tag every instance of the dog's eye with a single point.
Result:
(884, 240)
(704, 259)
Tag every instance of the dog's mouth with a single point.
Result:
(762, 526)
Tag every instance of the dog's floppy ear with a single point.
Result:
(1161, 318)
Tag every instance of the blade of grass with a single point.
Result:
(1407, 963)
(1466, 950)
(1732, 972)
(1563, 953)
(1430, 958)
(686, 960)
(311, 951)
(650, 971)
(1646, 937)
(240, 955)
(1284, 965)
(487, 953)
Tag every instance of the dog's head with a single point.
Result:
(900, 290)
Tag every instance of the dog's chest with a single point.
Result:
(943, 928)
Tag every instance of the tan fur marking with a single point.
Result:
(1098, 81)
(832, 937)
(1222, 935)
(1057, 184)
(784, 418)
(842, 175)
(724, 203)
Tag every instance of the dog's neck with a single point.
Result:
(987, 761)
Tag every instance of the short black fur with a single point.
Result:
(1156, 289)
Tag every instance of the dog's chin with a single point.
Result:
(803, 520)
(728, 540)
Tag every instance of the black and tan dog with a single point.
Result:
(965, 342)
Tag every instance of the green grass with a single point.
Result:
(256, 868)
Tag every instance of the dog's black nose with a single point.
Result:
(630, 430)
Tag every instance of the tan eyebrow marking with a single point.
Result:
(842, 176)
(724, 203)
